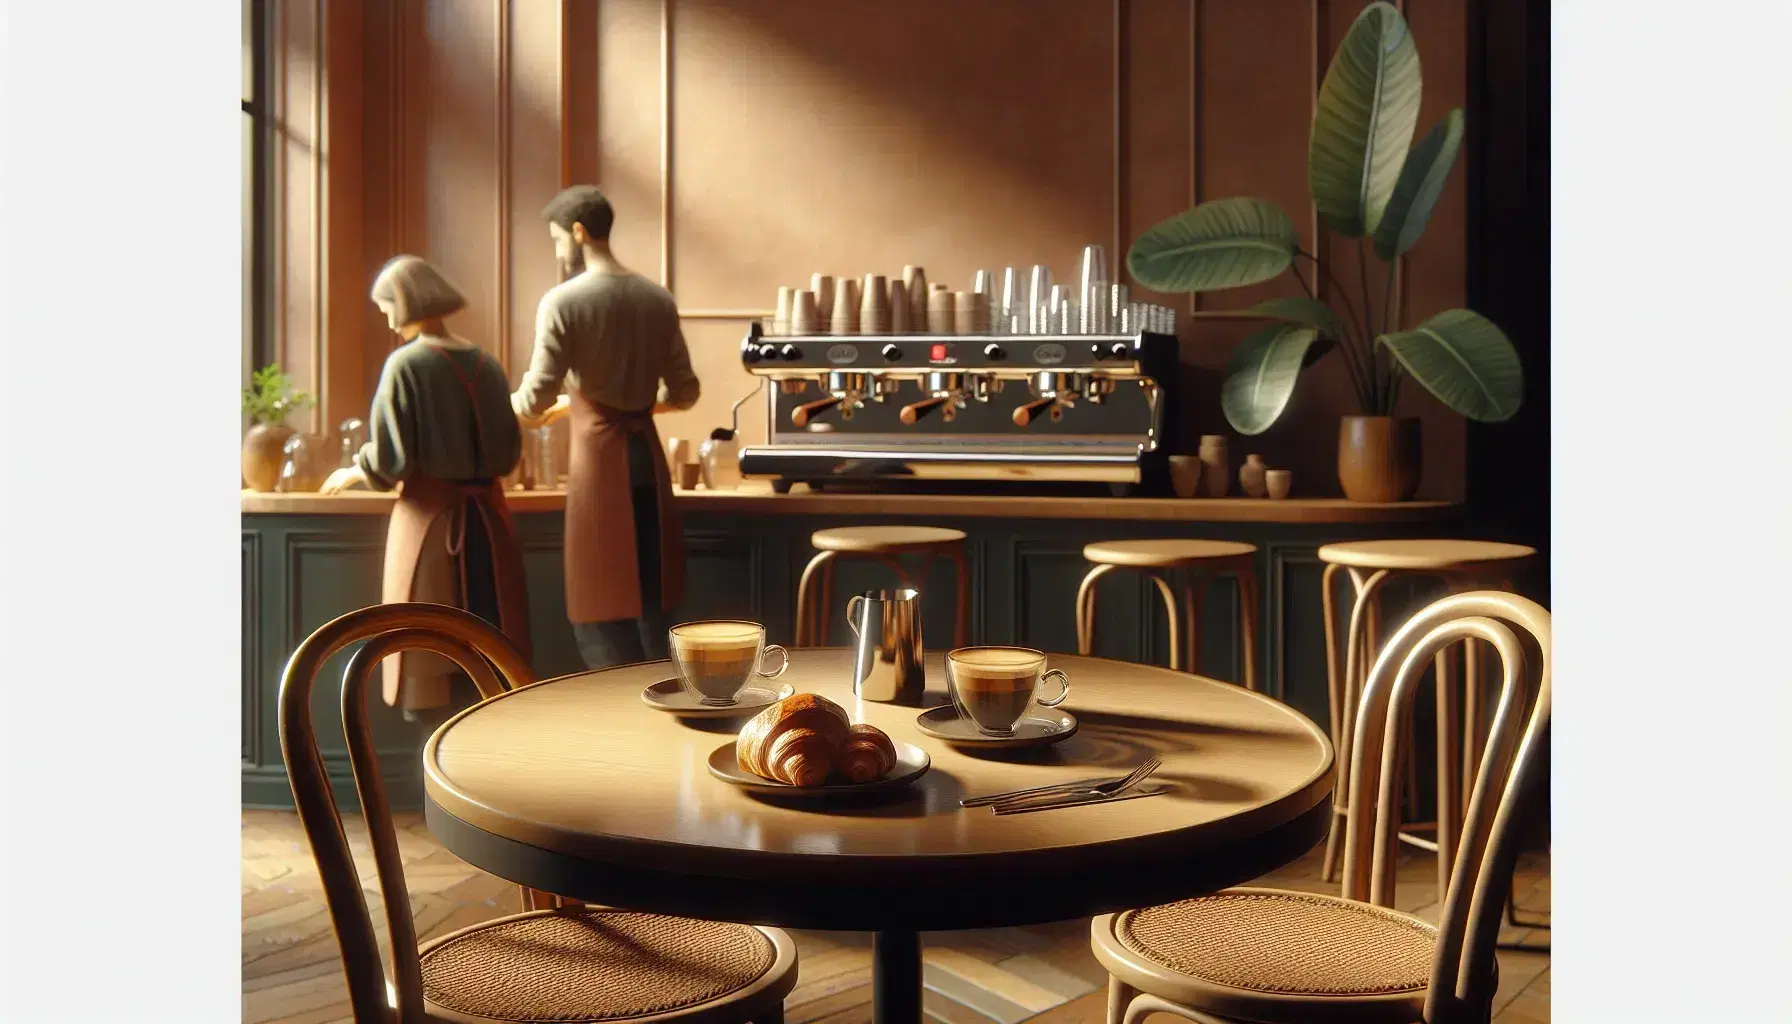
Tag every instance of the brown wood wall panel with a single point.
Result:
(457, 110)
(298, 205)
(817, 135)
(534, 167)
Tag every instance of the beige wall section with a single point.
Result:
(852, 137)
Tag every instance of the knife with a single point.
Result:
(1055, 801)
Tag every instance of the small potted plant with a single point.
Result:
(1368, 186)
(267, 401)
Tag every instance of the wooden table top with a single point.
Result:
(578, 769)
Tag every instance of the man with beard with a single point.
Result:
(614, 337)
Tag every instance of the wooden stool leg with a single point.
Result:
(1449, 759)
(903, 579)
(961, 569)
(1169, 596)
(824, 608)
(1194, 588)
(1247, 623)
(1356, 661)
(806, 598)
(1085, 609)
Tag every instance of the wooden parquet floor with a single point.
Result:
(1045, 974)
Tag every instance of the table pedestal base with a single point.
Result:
(895, 977)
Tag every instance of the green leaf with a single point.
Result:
(1226, 243)
(1421, 182)
(1303, 310)
(1368, 108)
(1261, 377)
(1465, 360)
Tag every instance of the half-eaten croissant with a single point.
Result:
(867, 753)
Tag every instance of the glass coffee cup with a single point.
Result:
(716, 658)
(993, 687)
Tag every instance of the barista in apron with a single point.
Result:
(442, 434)
(614, 338)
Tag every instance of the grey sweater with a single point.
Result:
(423, 422)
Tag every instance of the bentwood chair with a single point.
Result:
(1275, 957)
(559, 961)
(1460, 565)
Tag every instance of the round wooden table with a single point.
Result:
(575, 787)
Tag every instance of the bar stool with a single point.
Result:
(1460, 565)
(1194, 557)
(886, 544)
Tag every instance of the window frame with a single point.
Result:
(260, 346)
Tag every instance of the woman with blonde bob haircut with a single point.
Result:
(443, 435)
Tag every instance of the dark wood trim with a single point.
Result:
(1158, 869)
(252, 648)
(1508, 265)
(258, 107)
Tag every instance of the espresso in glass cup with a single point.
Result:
(993, 687)
(716, 658)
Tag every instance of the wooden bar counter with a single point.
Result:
(307, 558)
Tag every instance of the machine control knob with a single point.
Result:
(749, 354)
(892, 353)
(791, 353)
(1119, 350)
(768, 351)
(994, 352)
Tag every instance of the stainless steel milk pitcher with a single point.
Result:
(887, 652)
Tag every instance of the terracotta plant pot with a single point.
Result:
(1378, 458)
(263, 453)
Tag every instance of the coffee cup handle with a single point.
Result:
(784, 663)
(1063, 681)
(850, 621)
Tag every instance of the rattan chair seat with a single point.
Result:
(1245, 950)
(590, 964)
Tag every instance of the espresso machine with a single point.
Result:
(945, 412)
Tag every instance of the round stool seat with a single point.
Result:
(884, 539)
(1251, 952)
(1163, 554)
(1421, 555)
(591, 964)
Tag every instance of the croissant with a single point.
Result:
(795, 741)
(867, 753)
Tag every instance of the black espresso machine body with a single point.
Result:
(965, 411)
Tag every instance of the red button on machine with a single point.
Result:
(937, 353)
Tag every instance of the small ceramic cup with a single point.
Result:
(1278, 482)
(1185, 475)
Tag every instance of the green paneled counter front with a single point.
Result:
(308, 558)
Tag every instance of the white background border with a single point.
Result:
(119, 304)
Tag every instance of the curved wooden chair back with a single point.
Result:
(1463, 978)
(484, 654)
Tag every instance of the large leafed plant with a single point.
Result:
(1369, 186)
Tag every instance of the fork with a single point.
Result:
(1113, 787)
